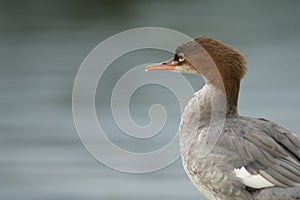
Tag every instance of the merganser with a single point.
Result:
(251, 158)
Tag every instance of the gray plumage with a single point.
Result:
(260, 146)
(292, 193)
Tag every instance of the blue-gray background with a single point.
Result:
(42, 44)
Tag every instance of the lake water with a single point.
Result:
(42, 45)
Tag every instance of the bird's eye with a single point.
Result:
(181, 57)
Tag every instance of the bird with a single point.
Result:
(228, 156)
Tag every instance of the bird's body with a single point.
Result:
(262, 148)
(228, 156)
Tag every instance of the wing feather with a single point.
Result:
(267, 149)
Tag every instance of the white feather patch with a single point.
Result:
(250, 180)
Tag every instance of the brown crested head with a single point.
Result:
(229, 61)
(199, 56)
(220, 64)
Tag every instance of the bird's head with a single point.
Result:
(207, 57)
(221, 65)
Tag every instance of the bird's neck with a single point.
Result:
(215, 100)
(232, 88)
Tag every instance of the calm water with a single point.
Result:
(42, 44)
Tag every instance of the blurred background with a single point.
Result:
(42, 44)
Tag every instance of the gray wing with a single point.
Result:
(264, 148)
(287, 139)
